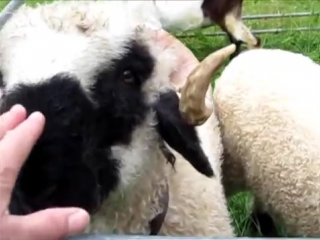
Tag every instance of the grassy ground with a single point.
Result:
(307, 43)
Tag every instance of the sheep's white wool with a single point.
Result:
(82, 37)
(180, 15)
(267, 103)
(168, 15)
(72, 36)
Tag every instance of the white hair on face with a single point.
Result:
(79, 38)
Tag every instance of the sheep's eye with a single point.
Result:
(128, 77)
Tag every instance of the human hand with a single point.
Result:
(17, 137)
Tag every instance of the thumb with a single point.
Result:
(50, 224)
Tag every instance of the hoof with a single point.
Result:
(238, 44)
(264, 224)
(259, 42)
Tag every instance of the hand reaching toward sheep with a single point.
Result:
(17, 137)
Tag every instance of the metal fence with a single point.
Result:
(119, 237)
(15, 4)
(266, 31)
(8, 10)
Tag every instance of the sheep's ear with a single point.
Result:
(180, 135)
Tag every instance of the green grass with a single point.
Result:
(307, 43)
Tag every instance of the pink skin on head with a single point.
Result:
(187, 61)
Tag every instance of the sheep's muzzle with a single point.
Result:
(193, 106)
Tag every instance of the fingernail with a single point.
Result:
(37, 116)
(16, 107)
(77, 222)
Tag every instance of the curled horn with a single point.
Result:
(192, 101)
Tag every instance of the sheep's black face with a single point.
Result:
(118, 92)
(71, 164)
(56, 173)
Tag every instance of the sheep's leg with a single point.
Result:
(234, 26)
(238, 32)
(228, 15)
(263, 222)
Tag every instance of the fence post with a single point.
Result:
(8, 10)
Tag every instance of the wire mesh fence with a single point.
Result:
(15, 4)
(268, 30)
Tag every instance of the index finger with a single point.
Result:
(11, 119)
(14, 149)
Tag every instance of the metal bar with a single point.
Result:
(130, 237)
(259, 31)
(280, 15)
(8, 10)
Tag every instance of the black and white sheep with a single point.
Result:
(111, 118)
(267, 104)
